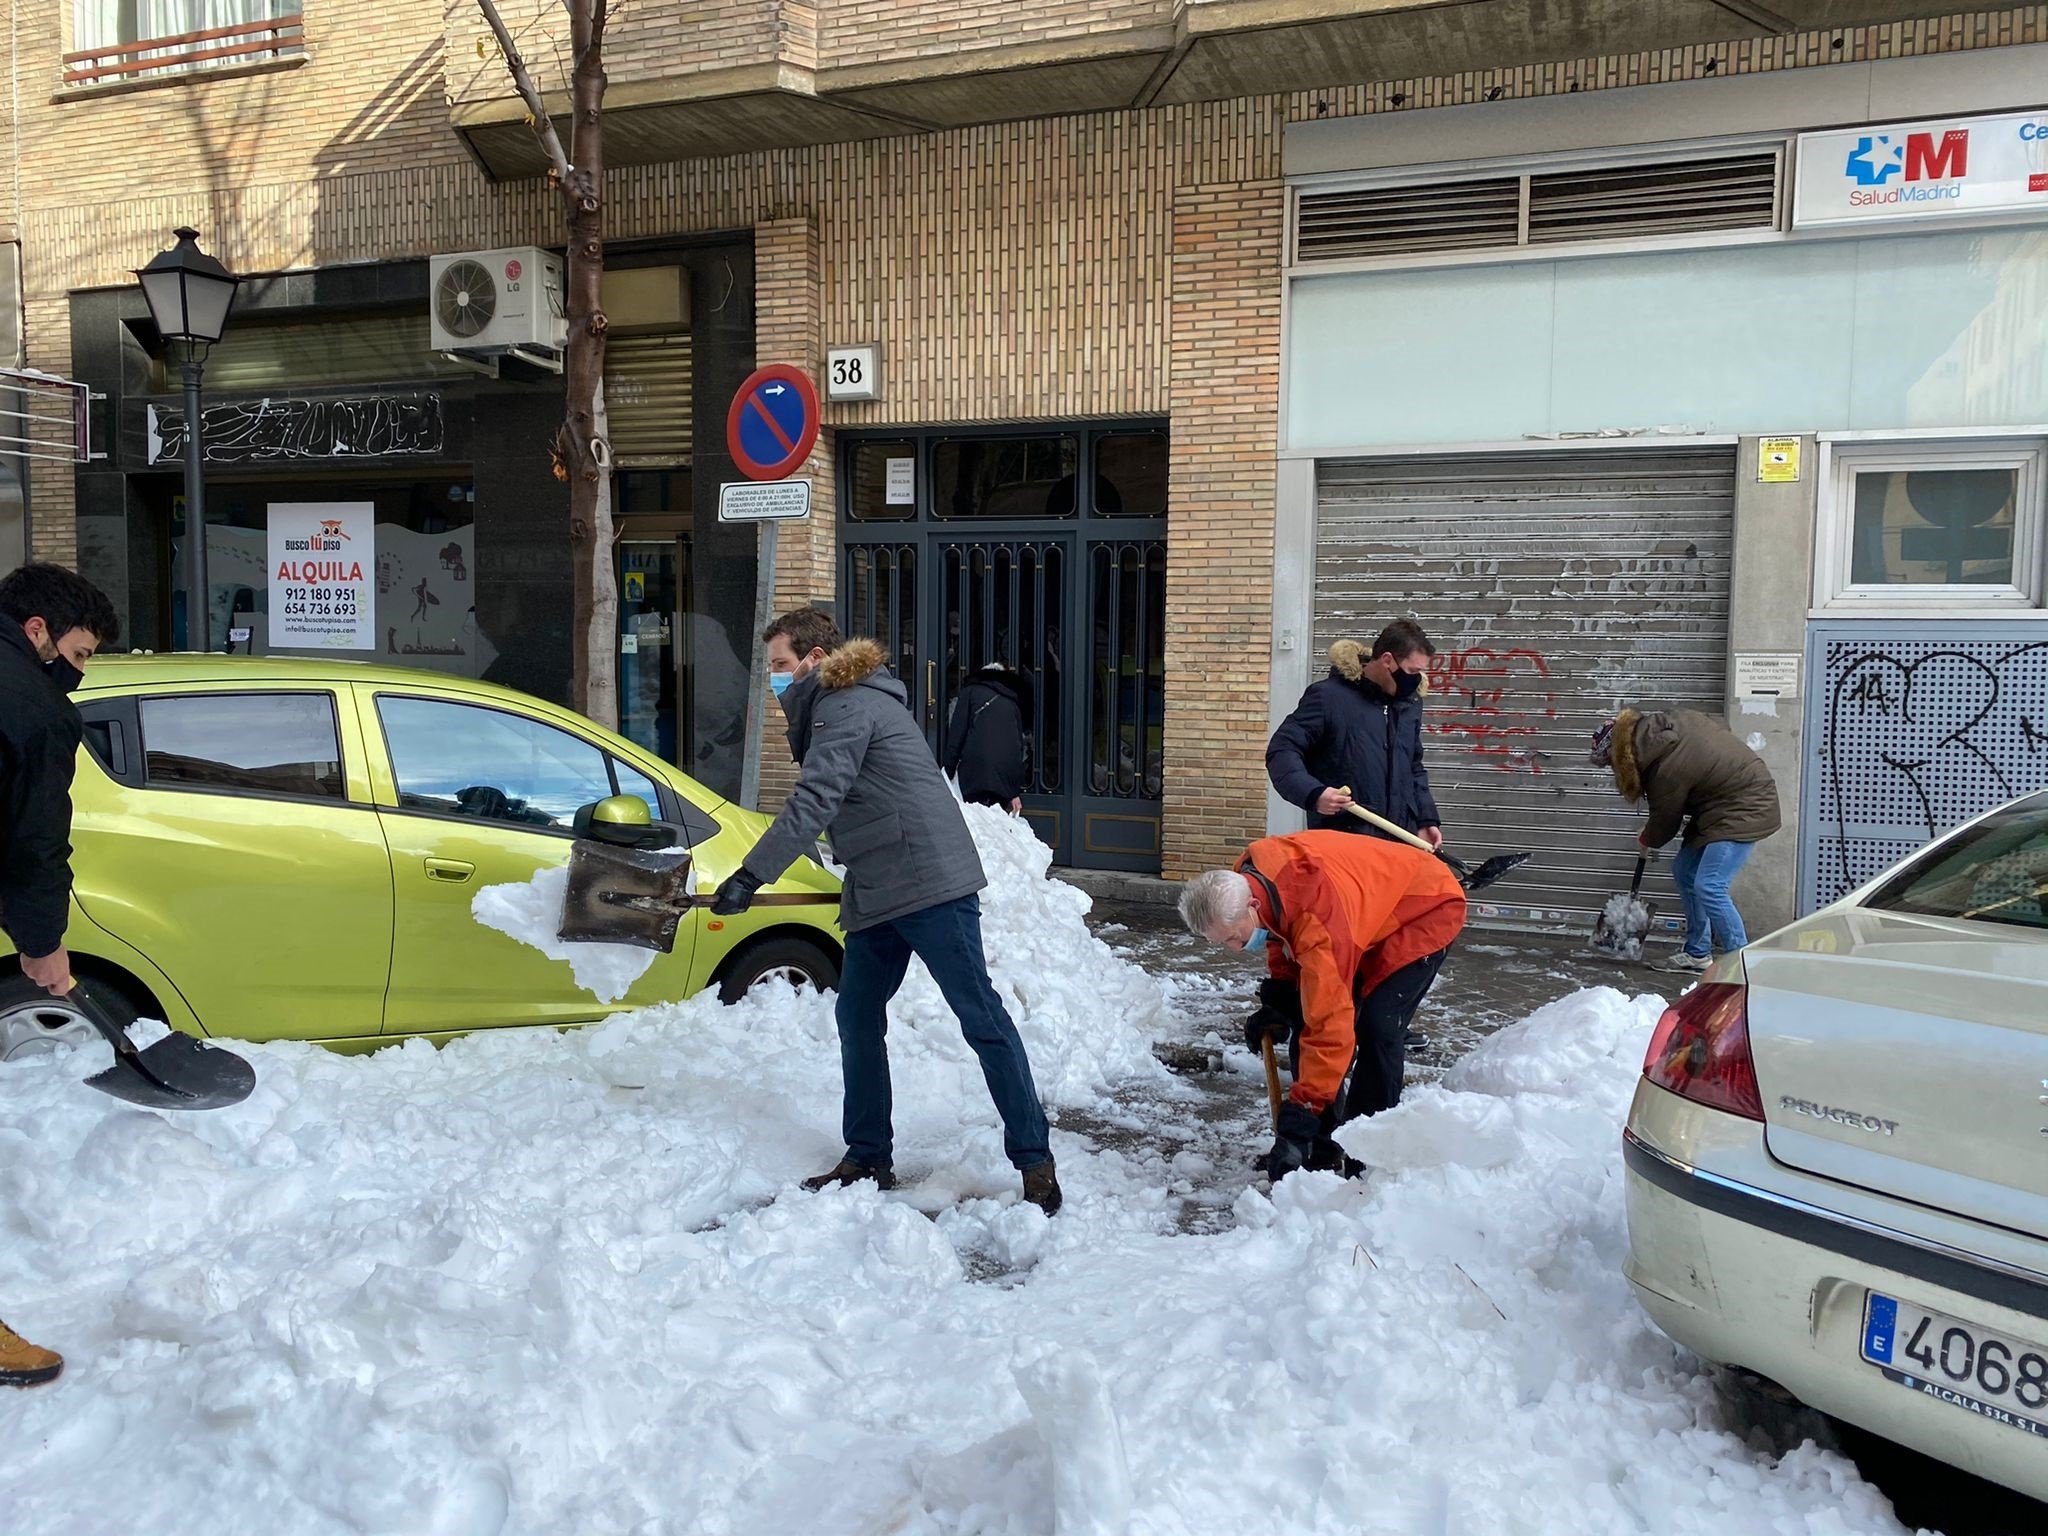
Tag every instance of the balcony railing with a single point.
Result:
(246, 42)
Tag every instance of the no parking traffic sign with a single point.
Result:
(773, 423)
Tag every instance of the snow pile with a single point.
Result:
(533, 1283)
(532, 914)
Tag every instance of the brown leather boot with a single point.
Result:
(847, 1171)
(23, 1364)
(1042, 1187)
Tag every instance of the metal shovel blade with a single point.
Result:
(177, 1072)
(624, 896)
(1488, 872)
(1624, 922)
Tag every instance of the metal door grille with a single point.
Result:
(1557, 587)
(1911, 730)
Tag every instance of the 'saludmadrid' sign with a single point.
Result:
(1918, 173)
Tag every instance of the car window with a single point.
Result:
(465, 760)
(255, 743)
(1997, 872)
(633, 782)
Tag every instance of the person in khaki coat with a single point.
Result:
(1692, 772)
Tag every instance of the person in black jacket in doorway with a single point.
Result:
(51, 622)
(1356, 737)
(985, 748)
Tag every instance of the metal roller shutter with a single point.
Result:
(1557, 587)
(647, 400)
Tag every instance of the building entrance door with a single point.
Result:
(1043, 549)
(653, 575)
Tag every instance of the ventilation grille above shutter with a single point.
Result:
(1613, 202)
(647, 400)
(1676, 198)
(1400, 221)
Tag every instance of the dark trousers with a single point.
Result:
(947, 938)
(1384, 1014)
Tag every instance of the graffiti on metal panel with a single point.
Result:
(1916, 740)
(1492, 704)
(349, 427)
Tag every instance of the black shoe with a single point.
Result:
(1042, 1187)
(1414, 1041)
(847, 1171)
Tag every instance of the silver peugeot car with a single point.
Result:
(1837, 1158)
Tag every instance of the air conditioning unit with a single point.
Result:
(487, 304)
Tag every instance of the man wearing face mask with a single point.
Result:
(1356, 737)
(1353, 930)
(51, 622)
(912, 884)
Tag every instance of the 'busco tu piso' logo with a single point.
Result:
(1913, 168)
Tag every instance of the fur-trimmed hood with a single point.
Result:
(1348, 659)
(1628, 773)
(852, 664)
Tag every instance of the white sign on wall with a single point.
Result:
(323, 563)
(900, 483)
(853, 373)
(1925, 172)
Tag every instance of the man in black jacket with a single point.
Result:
(985, 738)
(1356, 737)
(51, 622)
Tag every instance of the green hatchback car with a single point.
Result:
(270, 849)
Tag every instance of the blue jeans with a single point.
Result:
(947, 938)
(1704, 874)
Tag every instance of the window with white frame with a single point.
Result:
(1933, 524)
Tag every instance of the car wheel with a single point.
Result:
(798, 962)
(32, 1022)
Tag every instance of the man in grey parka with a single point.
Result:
(867, 777)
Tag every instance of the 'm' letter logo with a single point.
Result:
(1927, 162)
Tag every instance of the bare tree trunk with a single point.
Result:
(582, 451)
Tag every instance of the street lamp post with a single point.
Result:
(189, 294)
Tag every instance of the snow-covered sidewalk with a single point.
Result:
(564, 1284)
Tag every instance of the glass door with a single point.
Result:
(1005, 602)
(651, 577)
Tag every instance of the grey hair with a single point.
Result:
(1216, 898)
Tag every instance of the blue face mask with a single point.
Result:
(778, 682)
(1256, 942)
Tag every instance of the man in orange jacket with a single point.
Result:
(1354, 930)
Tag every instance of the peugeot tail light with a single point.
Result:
(1700, 1050)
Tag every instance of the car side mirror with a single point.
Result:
(623, 821)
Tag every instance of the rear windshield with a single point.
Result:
(1997, 872)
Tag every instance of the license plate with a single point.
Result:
(1995, 1377)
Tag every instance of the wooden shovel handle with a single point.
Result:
(1272, 1079)
(775, 899)
(1386, 826)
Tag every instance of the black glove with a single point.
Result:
(1294, 1139)
(1282, 997)
(1267, 1024)
(737, 894)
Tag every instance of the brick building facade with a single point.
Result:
(895, 179)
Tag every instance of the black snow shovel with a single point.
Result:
(1625, 921)
(1470, 878)
(637, 896)
(177, 1072)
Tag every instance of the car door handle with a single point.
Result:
(454, 871)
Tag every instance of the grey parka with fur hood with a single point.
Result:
(869, 780)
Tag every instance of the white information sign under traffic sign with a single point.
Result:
(764, 501)
(323, 587)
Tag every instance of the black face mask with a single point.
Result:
(63, 674)
(1405, 684)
